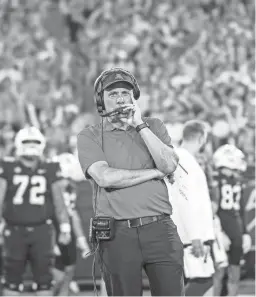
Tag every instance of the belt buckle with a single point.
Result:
(140, 224)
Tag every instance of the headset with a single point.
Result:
(109, 77)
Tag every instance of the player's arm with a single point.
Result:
(3, 188)
(60, 207)
(81, 240)
(247, 241)
(77, 224)
(78, 230)
(214, 192)
(242, 212)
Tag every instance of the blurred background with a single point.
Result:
(192, 59)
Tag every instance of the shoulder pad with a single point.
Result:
(51, 160)
(9, 159)
(215, 174)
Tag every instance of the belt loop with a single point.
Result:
(129, 224)
(140, 222)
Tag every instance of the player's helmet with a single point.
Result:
(30, 142)
(70, 167)
(229, 156)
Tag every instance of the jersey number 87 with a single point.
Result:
(230, 197)
(37, 189)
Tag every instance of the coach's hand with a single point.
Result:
(197, 248)
(134, 116)
(64, 238)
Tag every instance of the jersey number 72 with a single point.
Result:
(37, 188)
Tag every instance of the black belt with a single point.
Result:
(133, 223)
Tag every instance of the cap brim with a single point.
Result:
(120, 80)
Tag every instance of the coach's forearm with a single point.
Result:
(59, 204)
(165, 158)
(122, 178)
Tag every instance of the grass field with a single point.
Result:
(247, 288)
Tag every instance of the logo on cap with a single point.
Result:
(118, 76)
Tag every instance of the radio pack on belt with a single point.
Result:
(101, 229)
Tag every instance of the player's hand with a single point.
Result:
(197, 248)
(64, 238)
(56, 250)
(247, 243)
(134, 116)
(83, 246)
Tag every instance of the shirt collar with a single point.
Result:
(109, 127)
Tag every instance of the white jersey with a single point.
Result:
(189, 196)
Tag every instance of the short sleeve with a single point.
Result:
(4, 169)
(56, 172)
(159, 129)
(89, 151)
(1, 169)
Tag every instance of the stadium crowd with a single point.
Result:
(191, 58)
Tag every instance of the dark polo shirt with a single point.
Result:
(125, 150)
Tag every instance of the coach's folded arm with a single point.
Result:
(164, 156)
(108, 177)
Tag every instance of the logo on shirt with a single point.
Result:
(41, 171)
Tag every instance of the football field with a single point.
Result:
(247, 288)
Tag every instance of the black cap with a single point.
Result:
(113, 78)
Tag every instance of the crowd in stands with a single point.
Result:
(192, 59)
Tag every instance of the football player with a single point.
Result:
(30, 197)
(230, 165)
(67, 254)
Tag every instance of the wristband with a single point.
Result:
(142, 126)
(65, 228)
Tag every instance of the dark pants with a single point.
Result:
(156, 247)
(68, 254)
(232, 226)
(198, 286)
(23, 244)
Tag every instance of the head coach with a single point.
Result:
(126, 158)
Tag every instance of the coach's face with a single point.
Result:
(117, 97)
